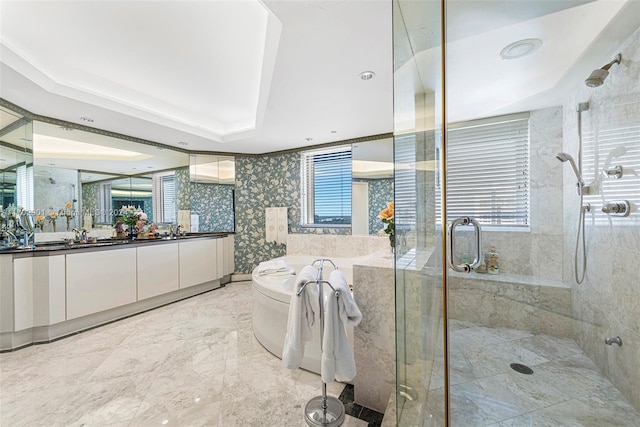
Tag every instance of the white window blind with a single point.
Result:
(405, 184)
(164, 197)
(105, 208)
(24, 187)
(326, 186)
(488, 171)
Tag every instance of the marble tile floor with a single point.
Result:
(565, 389)
(191, 363)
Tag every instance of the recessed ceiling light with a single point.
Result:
(66, 128)
(308, 139)
(149, 167)
(334, 131)
(87, 119)
(182, 143)
(520, 48)
(51, 164)
(134, 169)
(367, 75)
(160, 148)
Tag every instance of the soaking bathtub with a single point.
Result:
(271, 298)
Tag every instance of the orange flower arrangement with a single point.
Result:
(387, 217)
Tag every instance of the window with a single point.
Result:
(326, 186)
(164, 197)
(24, 187)
(488, 171)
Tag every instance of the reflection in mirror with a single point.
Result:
(97, 174)
(96, 199)
(211, 193)
(16, 164)
(372, 184)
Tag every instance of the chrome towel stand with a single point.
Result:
(323, 410)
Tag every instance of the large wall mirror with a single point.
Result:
(88, 177)
(16, 163)
(212, 192)
(372, 184)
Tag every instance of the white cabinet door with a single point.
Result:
(157, 270)
(22, 293)
(49, 301)
(100, 280)
(198, 262)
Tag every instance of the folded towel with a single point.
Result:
(271, 225)
(303, 310)
(273, 266)
(348, 310)
(337, 356)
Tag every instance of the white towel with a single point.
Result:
(337, 356)
(282, 225)
(271, 224)
(302, 313)
(273, 267)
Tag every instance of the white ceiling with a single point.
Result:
(254, 77)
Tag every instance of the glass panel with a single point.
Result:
(527, 333)
(420, 397)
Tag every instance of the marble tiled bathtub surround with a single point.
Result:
(340, 246)
(192, 363)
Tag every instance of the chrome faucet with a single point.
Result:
(12, 241)
(616, 340)
(76, 233)
(83, 235)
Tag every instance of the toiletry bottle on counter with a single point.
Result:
(492, 261)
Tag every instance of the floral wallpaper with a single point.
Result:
(262, 182)
(380, 193)
(214, 205)
(183, 188)
(90, 198)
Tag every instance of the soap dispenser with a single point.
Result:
(492, 260)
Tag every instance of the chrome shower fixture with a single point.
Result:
(598, 76)
(582, 187)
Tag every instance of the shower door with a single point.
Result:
(418, 95)
(517, 341)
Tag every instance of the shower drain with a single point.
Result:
(523, 369)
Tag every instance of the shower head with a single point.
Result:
(598, 76)
(564, 157)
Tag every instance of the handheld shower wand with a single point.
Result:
(565, 157)
(582, 187)
(582, 190)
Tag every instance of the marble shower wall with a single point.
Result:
(607, 303)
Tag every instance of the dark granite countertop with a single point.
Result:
(47, 247)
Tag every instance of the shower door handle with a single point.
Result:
(464, 220)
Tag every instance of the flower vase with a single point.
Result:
(54, 226)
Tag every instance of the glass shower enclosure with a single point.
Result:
(493, 327)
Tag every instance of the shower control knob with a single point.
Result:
(621, 208)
